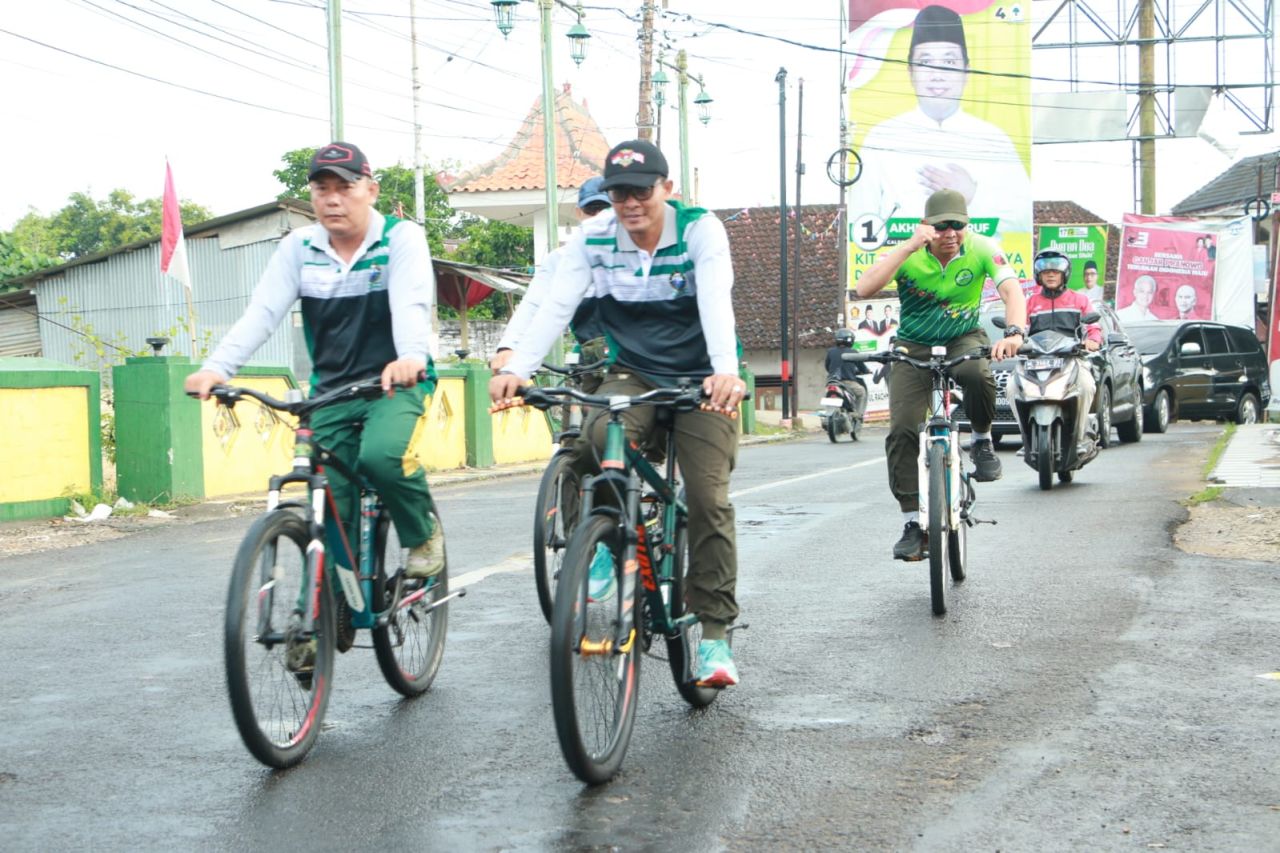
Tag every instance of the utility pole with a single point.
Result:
(549, 129)
(644, 116)
(333, 22)
(419, 191)
(799, 279)
(1147, 104)
(682, 63)
(781, 80)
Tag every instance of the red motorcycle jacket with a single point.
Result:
(1061, 314)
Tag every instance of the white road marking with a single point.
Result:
(514, 563)
(776, 483)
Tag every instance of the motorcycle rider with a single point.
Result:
(845, 373)
(1055, 306)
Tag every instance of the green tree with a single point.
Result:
(16, 261)
(491, 243)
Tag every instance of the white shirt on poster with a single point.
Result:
(894, 151)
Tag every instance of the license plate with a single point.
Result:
(1043, 363)
(832, 402)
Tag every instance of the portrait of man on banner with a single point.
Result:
(923, 121)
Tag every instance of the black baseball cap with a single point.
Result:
(635, 163)
(343, 159)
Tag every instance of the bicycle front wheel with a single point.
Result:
(938, 526)
(682, 649)
(556, 512)
(410, 644)
(594, 684)
(278, 677)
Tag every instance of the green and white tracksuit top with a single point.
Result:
(357, 316)
(667, 315)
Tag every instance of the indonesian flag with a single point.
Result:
(173, 250)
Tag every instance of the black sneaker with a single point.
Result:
(985, 462)
(911, 546)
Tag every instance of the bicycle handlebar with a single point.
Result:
(680, 399)
(934, 363)
(229, 395)
(575, 369)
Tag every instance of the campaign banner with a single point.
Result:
(924, 121)
(1166, 273)
(874, 323)
(1086, 246)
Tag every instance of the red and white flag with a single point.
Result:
(173, 249)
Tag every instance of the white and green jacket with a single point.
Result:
(667, 315)
(357, 317)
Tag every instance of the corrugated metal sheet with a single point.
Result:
(19, 328)
(125, 299)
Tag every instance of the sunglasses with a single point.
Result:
(618, 195)
(949, 225)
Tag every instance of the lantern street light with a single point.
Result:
(504, 16)
(504, 12)
(702, 101)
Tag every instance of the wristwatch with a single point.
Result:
(1014, 329)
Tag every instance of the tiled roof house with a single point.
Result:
(1229, 192)
(512, 186)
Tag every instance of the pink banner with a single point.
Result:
(1165, 274)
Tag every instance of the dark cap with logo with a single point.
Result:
(938, 23)
(635, 163)
(946, 206)
(343, 159)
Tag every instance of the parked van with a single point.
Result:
(1196, 370)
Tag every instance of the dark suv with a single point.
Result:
(1195, 369)
(1119, 401)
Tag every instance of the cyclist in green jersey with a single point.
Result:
(940, 272)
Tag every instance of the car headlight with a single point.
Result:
(1146, 376)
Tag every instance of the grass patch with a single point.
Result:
(1204, 496)
(770, 429)
(1216, 453)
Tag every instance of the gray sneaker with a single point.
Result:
(911, 546)
(985, 462)
(426, 560)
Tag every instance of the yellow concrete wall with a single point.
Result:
(520, 435)
(240, 455)
(44, 443)
(440, 441)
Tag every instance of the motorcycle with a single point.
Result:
(839, 413)
(1053, 405)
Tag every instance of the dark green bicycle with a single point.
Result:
(634, 518)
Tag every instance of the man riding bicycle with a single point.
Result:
(659, 277)
(367, 288)
(940, 272)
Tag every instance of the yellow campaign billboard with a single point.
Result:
(940, 98)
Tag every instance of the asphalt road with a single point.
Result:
(1090, 688)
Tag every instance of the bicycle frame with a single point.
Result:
(939, 428)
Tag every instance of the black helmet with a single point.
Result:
(844, 338)
(1052, 259)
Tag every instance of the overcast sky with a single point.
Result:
(99, 92)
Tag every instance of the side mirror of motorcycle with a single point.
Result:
(998, 322)
(1091, 317)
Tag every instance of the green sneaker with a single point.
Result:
(426, 560)
(715, 664)
(601, 580)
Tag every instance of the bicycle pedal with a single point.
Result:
(739, 627)
(976, 520)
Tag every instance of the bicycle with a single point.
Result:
(282, 596)
(946, 489)
(595, 644)
(556, 507)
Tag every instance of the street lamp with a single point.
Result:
(660, 81)
(504, 16)
(703, 103)
(504, 13)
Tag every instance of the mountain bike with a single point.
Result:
(946, 489)
(635, 518)
(556, 509)
(285, 595)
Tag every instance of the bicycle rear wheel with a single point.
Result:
(410, 645)
(682, 649)
(594, 687)
(938, 526)
(278, 710)
(556, 512)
